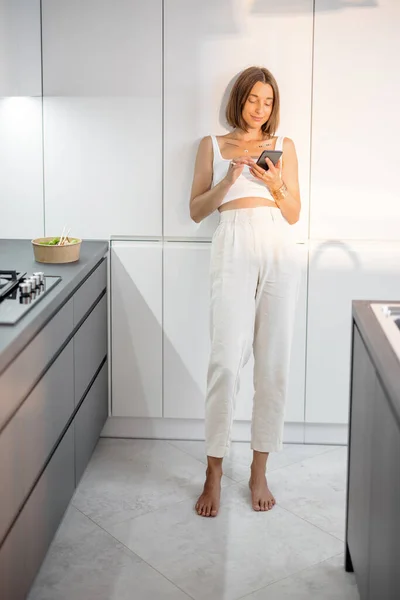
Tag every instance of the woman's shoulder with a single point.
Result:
(209, 139)
(205, 147)
(287, 143)
(206, 141)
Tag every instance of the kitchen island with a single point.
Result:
(373, 492)
(53, 404)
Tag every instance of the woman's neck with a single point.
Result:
(253, 135)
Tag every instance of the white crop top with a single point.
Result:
(245, 185)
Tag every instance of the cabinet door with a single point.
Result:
(20, 56)
(352, 142)
(30, 436)
(21, 168)
(363, 387)
(103, 116)
(136, 312)
(340, 272)
(90, 347)
(186, 328)
(89, 421)
(220, 39)
(187, 338)
(24, 549)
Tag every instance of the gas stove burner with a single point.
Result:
(8, 274)
(8, 281)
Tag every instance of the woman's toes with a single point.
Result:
(214, 512)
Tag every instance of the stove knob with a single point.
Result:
(26, 288)
(40, 275)
(33, 282)
(36, 277)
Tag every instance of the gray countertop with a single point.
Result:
(383, 356)
(18, 255)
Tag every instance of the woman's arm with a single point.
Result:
(204, 200)
(288, 201)
(290, 204)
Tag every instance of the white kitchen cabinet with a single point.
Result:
(103, 117)
(136, 340)
(98, 178)
(21, 168)
(186, 328)
(210, 42)
(340, 272)
(100, 49)
(20, 49)
(355, 123)
(187, 337)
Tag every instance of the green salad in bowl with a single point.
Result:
(55, 241)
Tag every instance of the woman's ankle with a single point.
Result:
(214, 466)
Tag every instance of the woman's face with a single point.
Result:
(258, 106)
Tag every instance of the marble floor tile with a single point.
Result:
(327, 580)
(315, 490)
(236, 465)
(234, 554)
(127, 478)
(86, 563)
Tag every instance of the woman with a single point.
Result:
(254, 276)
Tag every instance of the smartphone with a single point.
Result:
(273, 155)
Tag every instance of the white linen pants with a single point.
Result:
(254, 276)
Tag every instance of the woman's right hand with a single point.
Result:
(235, 169)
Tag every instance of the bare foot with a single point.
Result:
(208, 503)
(262, 499)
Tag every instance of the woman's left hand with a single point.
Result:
(271, 178)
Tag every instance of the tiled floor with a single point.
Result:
(130, 531)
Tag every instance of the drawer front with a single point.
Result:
(17, 381)
(89, 421)
(30, 436)
(25, 547)
(89, 291)
(90, 347)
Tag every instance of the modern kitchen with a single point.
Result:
(105, 303)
